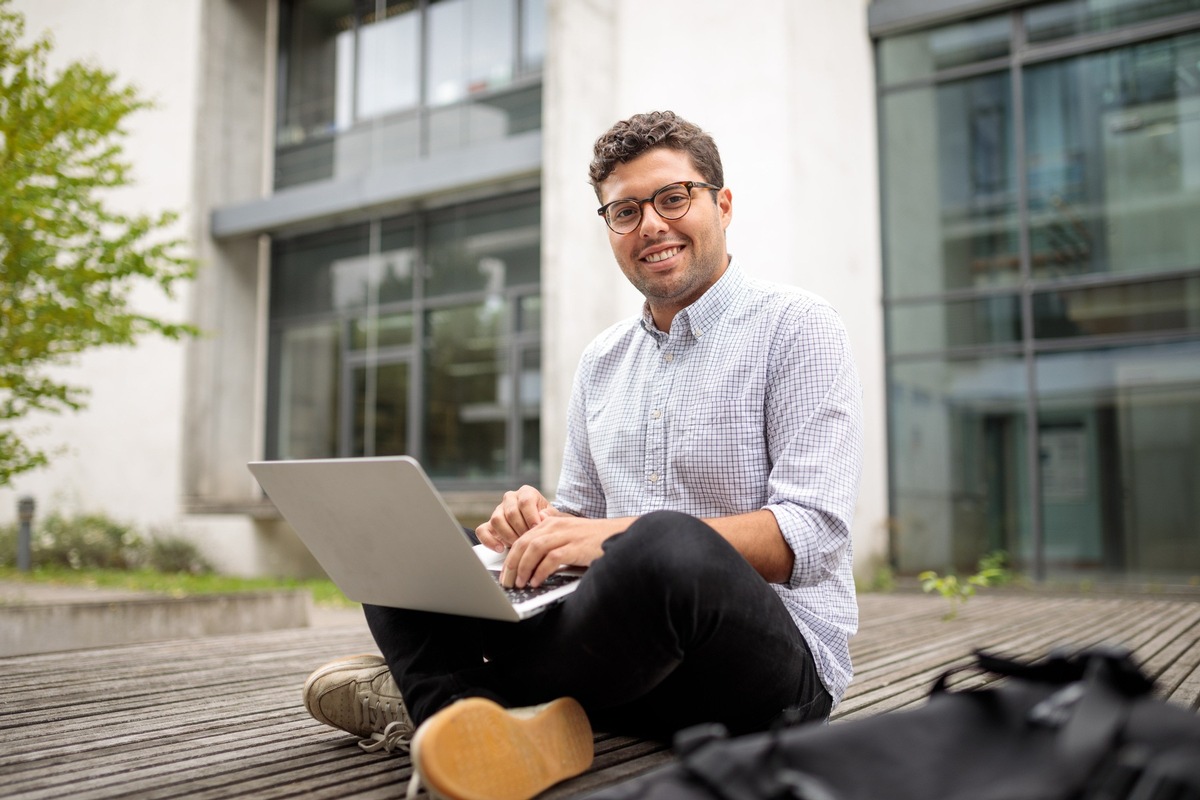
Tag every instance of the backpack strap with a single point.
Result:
(1114, 666)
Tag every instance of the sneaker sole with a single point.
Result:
(478, 750)
(360, 661)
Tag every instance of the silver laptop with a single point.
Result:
(382, 532)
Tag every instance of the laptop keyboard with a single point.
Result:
(516, 595)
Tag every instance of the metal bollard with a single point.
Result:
(25, 506)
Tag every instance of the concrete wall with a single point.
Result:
(786, 88)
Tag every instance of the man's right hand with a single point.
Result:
(517, 513)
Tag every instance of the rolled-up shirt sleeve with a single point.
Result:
(814, 440)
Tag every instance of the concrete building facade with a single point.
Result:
(400, 252)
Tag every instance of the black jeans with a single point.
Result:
(670, 628)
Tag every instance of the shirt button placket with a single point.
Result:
(657, 432)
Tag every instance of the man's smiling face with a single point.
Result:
(671, 262)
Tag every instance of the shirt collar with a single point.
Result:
(701, 316)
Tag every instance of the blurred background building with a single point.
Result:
(400, 251)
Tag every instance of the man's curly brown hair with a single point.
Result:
(640, 133)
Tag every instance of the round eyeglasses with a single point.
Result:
(670, 202)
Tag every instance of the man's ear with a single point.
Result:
(725, 206)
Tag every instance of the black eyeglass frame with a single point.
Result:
(688, 185)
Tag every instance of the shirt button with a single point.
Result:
(656, 413)
(654, 477)
(669, 357)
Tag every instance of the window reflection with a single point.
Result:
(920, 54)
(484, 251)
(372, 83)
(388, 64)
(1112, 178)
(1051, 21)
(305, 372)
(432, 351)
(1119, 445)
(1170, 306)
(957, 432)
(929, 327)
(1114, 160)
(468, 391)
(381, 397)
(470, 48)
(949, 187)
(302, 281)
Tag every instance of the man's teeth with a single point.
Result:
(662, 255)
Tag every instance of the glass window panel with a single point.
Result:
(345, 339)
(313, 88)
(398, 260)
(391, 330)
(529, 313)
(389, 60)
(925, 327)
(305, 363)
(531, 411)
(381, 397)
(958, 428)
(311, 77)
(1114, 160)
(399, 139)
(485, 250)
(471, 48)
(949, 200)
(1051, 21)
(921, 54)
(533, 34)
(1170, 306)
(319, 272)
(468, 392)
(485, 119)
(1119, 447)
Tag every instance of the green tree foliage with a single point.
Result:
(68, 262)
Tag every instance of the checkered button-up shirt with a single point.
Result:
(751, 401)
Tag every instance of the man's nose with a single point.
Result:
(651, 223)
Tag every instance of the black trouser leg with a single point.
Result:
(670, 628)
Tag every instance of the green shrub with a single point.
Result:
(96, 541)
(8, 545)
(86, 541)
(172, 554)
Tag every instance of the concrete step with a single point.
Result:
(36, 618)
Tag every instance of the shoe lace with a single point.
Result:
(397, 735)
(393, 727)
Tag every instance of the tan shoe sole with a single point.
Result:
(478, 750)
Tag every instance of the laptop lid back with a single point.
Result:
(383, 534)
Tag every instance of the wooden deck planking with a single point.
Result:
(222, 716)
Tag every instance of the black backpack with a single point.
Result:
(1074, 726)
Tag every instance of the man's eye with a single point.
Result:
(672, 199)
(622, 212)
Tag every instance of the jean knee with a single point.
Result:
(669, 542)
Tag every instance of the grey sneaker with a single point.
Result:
(475, 749)
(358, 695)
